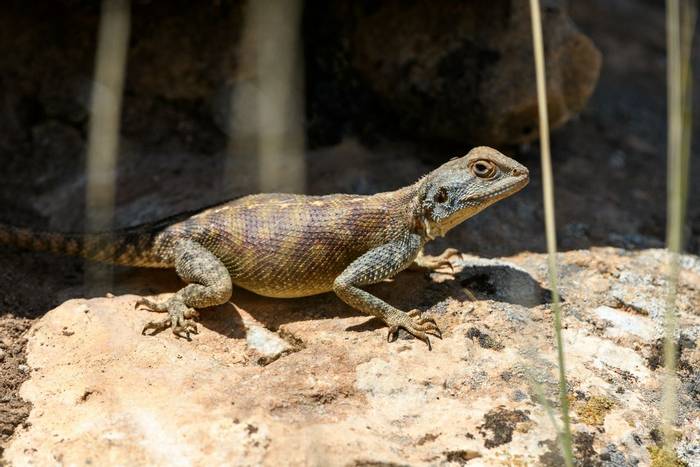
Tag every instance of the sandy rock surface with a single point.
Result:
(310, 382)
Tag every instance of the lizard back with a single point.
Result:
(282, 245)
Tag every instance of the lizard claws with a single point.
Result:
(179, 318)
(150, 305)
(419, 327)
(429, 263)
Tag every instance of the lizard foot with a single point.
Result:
(433, 263)
(415, 325)
(179, 317)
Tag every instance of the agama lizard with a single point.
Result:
(287, 245)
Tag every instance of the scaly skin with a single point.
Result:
(283, 245)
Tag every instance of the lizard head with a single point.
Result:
(465, 185)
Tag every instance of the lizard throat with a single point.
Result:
(432, 231)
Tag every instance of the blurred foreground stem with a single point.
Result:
(680, 25)
(550, 227)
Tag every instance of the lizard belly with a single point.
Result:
(284, 275)
(288, 292)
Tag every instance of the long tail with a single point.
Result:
(131, 247)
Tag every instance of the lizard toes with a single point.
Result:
(444, 258)
(430, 328)
(179, 318)
(185, 328)
(150, 305)
(393, 333)
(419, 327)
(424, 337)
(417, 318)
(450, 252)
(413, 313)
(157, 326)
(447, 263)
(426, 320)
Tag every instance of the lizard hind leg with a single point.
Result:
(209, 284)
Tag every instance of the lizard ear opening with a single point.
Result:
(440, 195)
(432, 201)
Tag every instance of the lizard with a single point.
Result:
(293, 245)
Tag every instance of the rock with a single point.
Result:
(604, 354)
(456, 71)
(626, 323)
(196, 71)
(268, 344)
(59, 148)
(345, 396)
(689, 452)
(505, 282)
(70, 105)
(642, 289)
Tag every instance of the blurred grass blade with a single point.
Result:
(103, 132)
(266, 125)
(680, 25)
(539, 392)
(548, 188)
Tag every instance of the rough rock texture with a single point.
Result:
(340, 395)
(451, 71)
(13, 371)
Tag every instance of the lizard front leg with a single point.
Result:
(209, 284)
(374, 266)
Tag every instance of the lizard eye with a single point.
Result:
(484, 169)
(441, 195)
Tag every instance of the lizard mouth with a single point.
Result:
(498, 192)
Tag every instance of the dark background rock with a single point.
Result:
(446, 71)
(460, 72)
